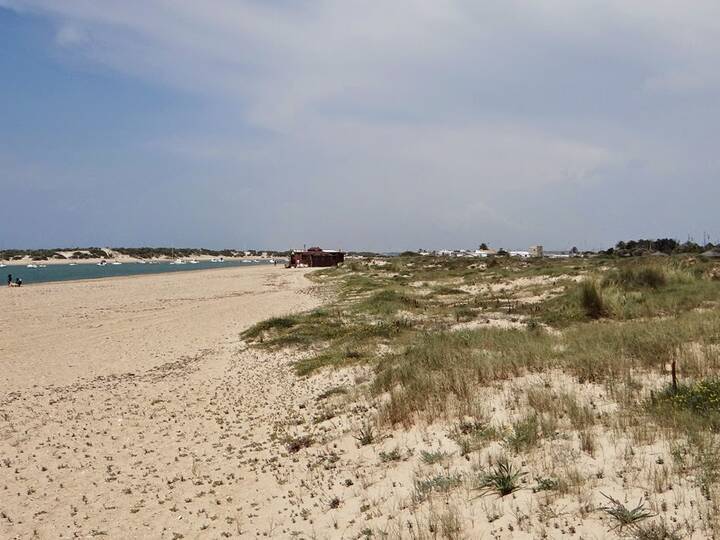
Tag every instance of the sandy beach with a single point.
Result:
(123, 399)
(56, 334)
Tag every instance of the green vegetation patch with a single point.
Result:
(388, 302)
(700, 399)
(267, 325)
(639, 277)
(632, 292)
(315, 327)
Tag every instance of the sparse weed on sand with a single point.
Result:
(622, 515)
(424, 486)
(433, 457)
(366, 434)
(502, 479)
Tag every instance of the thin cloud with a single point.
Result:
(70, 36)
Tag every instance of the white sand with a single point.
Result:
(113, 390)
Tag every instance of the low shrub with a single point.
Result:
(591, 300)
(635, 278)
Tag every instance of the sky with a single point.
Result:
(393, 125)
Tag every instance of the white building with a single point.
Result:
(536, 251)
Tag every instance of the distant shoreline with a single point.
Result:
(127, 259)
(67, 273)
(186, 270)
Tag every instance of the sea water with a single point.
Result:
(67, 272)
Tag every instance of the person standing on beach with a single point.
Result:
(9, 280)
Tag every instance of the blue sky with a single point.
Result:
(361, 125)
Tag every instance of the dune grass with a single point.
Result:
(633, 291)
(439, 399)
(447, 338)
(622, 318)
(387, 302)
(274, 323)
(439, 365)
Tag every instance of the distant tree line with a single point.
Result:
(159, 252)
(667, 246)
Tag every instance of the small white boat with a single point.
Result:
(72, 264)
(2, 265)
(271, 261)
(192, 261)
(218, 260)
(178, 261)
(115, 263)
(32, 265)
(102, 263)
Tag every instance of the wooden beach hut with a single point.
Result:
(316, 257)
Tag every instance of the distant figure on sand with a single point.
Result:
(18, 282)
(9, 280)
